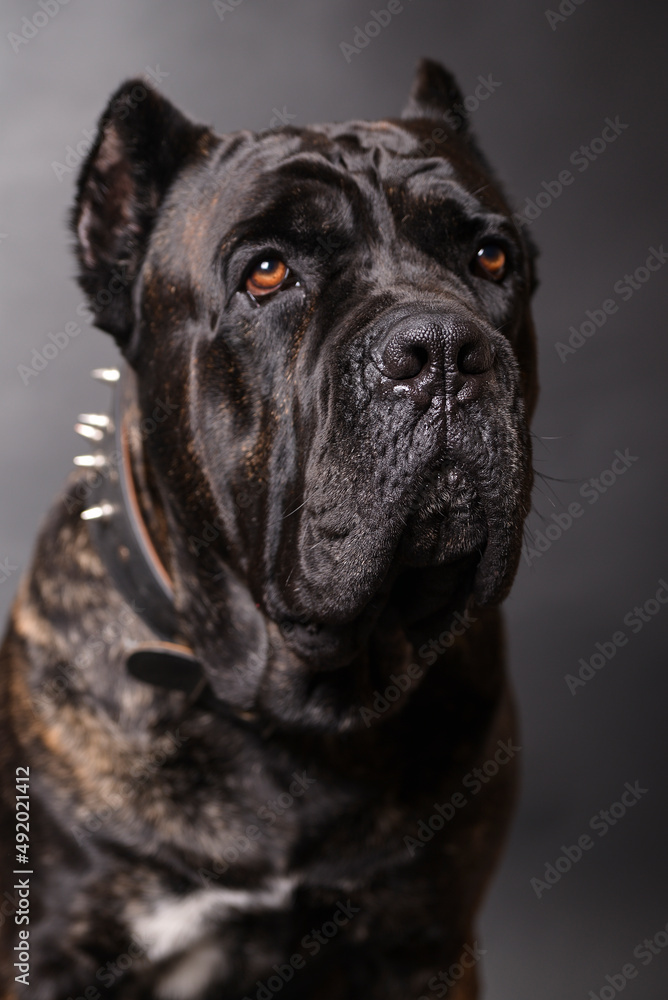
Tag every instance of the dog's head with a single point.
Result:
(340, 317)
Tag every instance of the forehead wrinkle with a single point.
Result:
(399, 153)
(288, 211)
(348, 157)
(391, 136)
(441, 189)
(359, 174)
(308, 182)
(347, 170)
(437, 166)
(352, 160)
(318, 167)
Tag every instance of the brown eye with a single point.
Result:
(491, 261)
(267, 276)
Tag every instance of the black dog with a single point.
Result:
(254, 699)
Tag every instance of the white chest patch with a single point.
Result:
(192, 973)
(171, 924)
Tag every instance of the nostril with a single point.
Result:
(419, 357)
(404, 360)
(475, 357)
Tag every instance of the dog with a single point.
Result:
(258, 735)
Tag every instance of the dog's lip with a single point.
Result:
(498, 561)
(329, 645)
(325, 647)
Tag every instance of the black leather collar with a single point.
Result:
(123, 543)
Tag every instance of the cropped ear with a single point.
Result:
(142, 144)
(435, 94)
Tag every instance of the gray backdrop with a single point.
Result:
(557, 79)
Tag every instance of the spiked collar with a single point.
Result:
(122, 541)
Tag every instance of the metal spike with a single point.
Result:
(96, 461)
(106, 374)
(89, 432)
(104, 510)
(95, 420)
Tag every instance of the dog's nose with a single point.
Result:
(426, 356)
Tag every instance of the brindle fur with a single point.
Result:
(328, 573)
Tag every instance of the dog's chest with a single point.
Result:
(183, 936)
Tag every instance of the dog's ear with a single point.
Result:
(435, 94)
(141, 145)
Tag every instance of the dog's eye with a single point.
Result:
(266, 276)
(490, 261)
